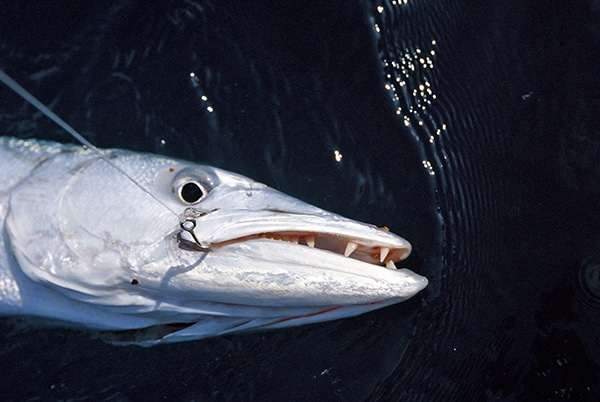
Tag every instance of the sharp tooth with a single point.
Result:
(294, 239)
(383, 253)
(390, 264)
(310, 241)
(350, 247)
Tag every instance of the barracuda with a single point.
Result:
(83, 246)
(144, 249)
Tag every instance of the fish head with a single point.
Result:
(198, 252)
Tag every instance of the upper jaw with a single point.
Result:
(325, 231)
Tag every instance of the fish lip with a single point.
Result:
(218, 229)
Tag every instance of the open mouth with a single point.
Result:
(348, 247)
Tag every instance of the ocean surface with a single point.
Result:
(470, 128)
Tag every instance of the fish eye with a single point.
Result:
(191, 192)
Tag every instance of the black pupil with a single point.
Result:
(191, 192)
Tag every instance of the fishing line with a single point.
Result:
(12, 84)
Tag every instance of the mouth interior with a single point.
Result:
(351, 248)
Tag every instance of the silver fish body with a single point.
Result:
(83, 245)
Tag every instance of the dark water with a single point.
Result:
(471, 130)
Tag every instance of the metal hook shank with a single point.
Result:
(189, 225)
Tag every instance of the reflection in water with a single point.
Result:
(461, 83)
(587, 289)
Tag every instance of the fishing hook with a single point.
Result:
(188, 225)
